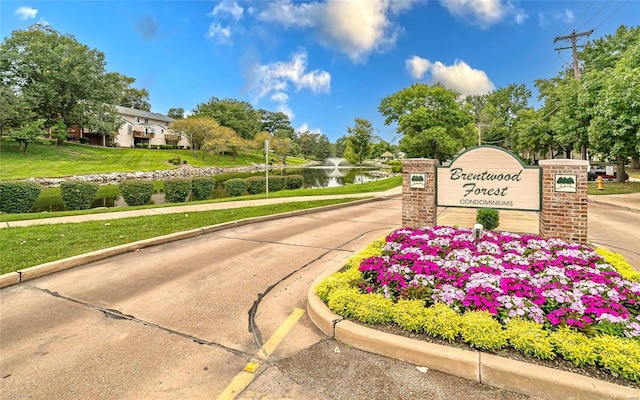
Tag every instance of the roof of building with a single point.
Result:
(143, 114)
(386, 154)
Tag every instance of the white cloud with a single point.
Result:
(459, 76)
(565, 16)
(228, 7)
(222, 35)
(305, 128)
(484, 12)
(275, 79)
(417, 66)
(26, 12)
(353, 27)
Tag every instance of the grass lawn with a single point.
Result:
(28, 246)
(45, 160)
(614, 188)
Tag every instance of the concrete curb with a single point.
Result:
(23, 275)
(617, 206)
(532, 380)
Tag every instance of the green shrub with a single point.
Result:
(84, 140)
(410, 315)
(276, 183)
(177, 190)
(574, 346)
(292, 182)
(78, 195)
(373, 309)
(442, 321)
(139, 145)
(202, 187)
(620, 264)
(255, 184)
(18, 197)
(488, 217)
(396, 169)
(482, 331)
(344, 301)
(153, 146)
(530, 338)
(235, 187)
(619, 355)
(136, 192)
(175, 160)
(350, 278)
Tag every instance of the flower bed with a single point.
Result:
(548, 281)
(544, 298)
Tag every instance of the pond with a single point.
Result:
(314, 177)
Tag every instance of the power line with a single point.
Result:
(596, 14)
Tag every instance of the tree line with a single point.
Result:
(51, 80)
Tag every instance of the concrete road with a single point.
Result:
(217, 316)
(615, 229)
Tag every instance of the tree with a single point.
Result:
(176, 113)
(532, 134)
(276, 122)
(282, 147)
(59, 130)
(55, 73)
(500, 112)
(219, 139)
(340, 146)
(431, 120)
(361, 138)
(235, 114)
(195, 129)
(614, 92)
(14, 111)
(322, 149)
(307, 142)
(27, 134)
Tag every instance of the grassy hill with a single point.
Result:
(45, 160)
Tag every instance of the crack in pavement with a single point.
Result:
(117, 315)
(286, 244)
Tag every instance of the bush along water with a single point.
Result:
(18, 197)
(177, 190)
(544, 297)
(136, 192)
(235, 187)
(78, 195)
(202, 187)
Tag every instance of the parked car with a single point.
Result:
(600, 170)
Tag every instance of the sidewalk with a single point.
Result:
(178, 209)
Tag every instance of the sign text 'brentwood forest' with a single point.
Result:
(488, 177)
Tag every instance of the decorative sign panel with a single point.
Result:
(488, 177)
(417, 181)
(567, 183)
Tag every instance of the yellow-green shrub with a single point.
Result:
(530, 338)
(373, 309)
(620, 264)
(340, 280)
(619, 355)
(373, 249)
(574, 346)
(482, 331)
(442, 321)
(344, 301)
(410, 315)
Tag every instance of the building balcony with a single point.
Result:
(140, 134)
(172, 138)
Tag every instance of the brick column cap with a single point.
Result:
(563, 162)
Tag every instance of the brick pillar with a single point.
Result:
(564, 207)
(419, 204)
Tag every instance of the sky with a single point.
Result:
(324, 62)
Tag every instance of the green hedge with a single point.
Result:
(293, 182)
(84, 140)
(256, 184)
(136, 192)
(235, 187)
(18, 197)
(202, 187)
(78, 195)
(276, 183)
(177, 190)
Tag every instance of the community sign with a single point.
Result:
(489, 177)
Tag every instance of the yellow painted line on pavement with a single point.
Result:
(244, 378)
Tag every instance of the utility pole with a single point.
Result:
(576, 71)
